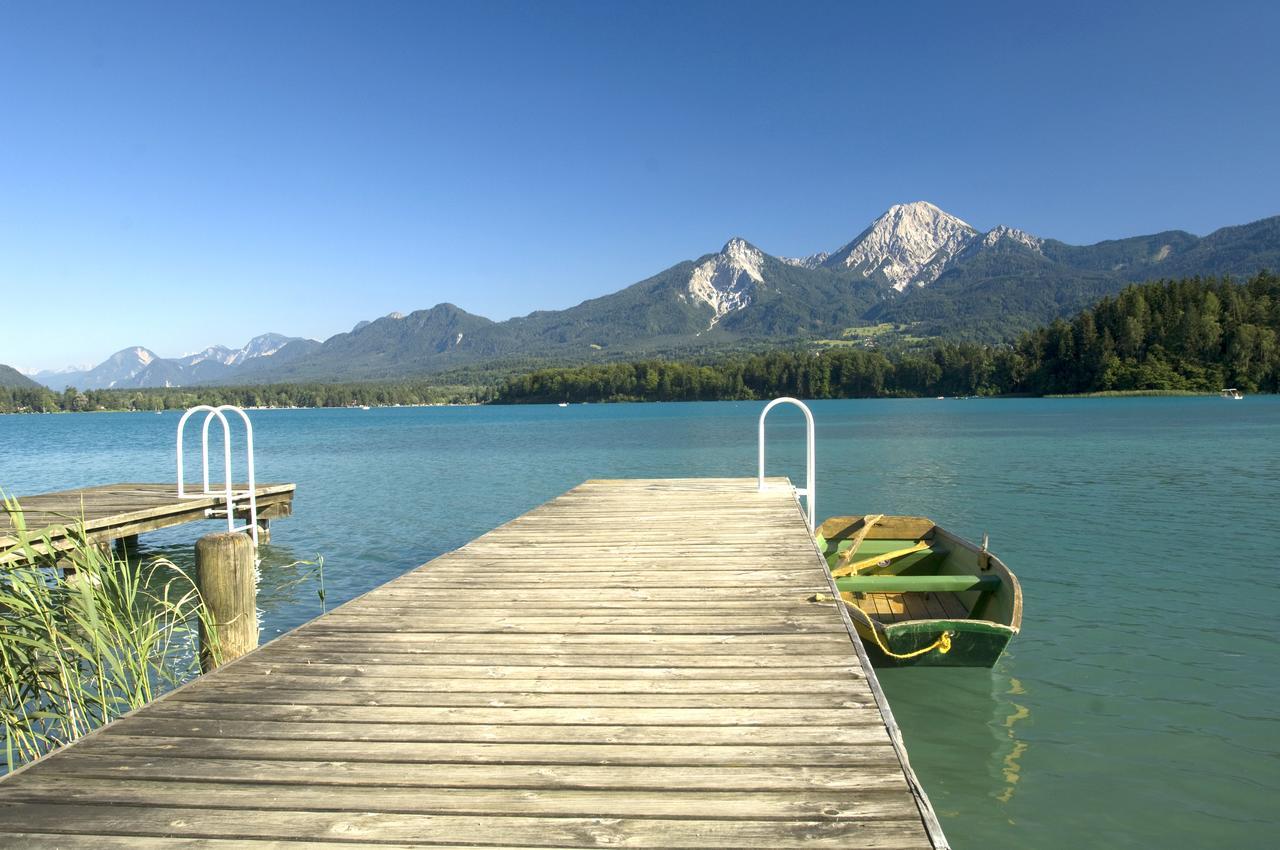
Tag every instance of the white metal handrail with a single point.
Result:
(810, 479)
(228, 491)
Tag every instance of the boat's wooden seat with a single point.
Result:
(893, 598)
(917, 584)
(895, 607)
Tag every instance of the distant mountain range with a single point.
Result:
(141, 367)
(916, 266)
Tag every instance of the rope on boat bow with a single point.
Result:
(942, 644)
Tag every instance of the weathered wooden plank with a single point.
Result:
(271, 678)
(855, 747)
(736, 578)
(569, 626)
(371, 656)
(621, 803)
(608, 597)
(558, 622)
(98, 841)
(114, 819)
(409, 640)
(625, 644)
(351, 695)
(548, 603)
(863, 712)
(876, 771)
(684, 613)
(560, 734)
(492, 672)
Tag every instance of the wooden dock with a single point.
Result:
(121, 511)
(637, 663)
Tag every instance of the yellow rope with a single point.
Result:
(942, 644)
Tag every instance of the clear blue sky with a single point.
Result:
(181, 174)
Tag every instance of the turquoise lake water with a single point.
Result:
(1138, 708)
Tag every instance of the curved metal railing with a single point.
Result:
(228, 491)
(810, 480)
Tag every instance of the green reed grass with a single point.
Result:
(88, 642)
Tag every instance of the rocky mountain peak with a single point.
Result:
(739, 250)
(263, 345)
(810, 262)
(1012, 235)
(218, 353)
(726, 281)
(909, 244)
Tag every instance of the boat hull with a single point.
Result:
(919, 595)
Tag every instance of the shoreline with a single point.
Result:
(1115, 394)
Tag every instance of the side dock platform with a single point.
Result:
(113, 512)
(636, 663)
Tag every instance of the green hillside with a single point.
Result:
(1194, 336)
(11, 378)
(995, 294)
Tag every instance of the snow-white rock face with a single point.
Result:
(120, 369)
(1004, 233)
(126, 363)
(263, 345)
(726, 282)
(909, 244)
(810, 262)
(218, 353)
(50, 373)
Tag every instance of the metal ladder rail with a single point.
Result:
(228, 492)
(252, 492)
(810, 478)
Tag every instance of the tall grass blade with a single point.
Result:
(86, 637)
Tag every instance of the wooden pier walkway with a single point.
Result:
(637, 663)
(118, 511)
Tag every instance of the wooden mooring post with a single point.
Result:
(225, 575)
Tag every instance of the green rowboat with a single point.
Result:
(918, 594)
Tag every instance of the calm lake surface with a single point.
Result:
(1138, 708)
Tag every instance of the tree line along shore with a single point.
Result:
(1166, 337)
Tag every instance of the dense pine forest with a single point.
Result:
(1191, 336)
(1172, 336)
(44, 400)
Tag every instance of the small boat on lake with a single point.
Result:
(1232, 393)
(920, 595)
